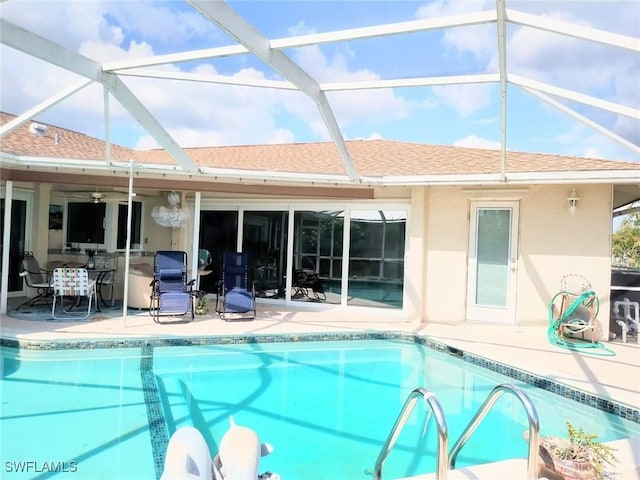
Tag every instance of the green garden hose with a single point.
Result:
(591, 348)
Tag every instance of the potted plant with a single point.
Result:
(201, 304)
(579, 457)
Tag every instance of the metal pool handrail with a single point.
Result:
(409, 405)
(534, 426)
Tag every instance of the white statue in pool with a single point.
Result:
(238, 457)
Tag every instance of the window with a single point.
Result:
(86, 225)
(136, 220)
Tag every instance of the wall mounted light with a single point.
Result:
(573, 199)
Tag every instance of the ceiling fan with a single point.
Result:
(100, 197)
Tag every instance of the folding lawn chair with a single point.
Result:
(235, 295)
(171, 293)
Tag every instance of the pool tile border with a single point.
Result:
(155, 416)
(616, 408)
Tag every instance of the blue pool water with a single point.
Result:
(326, 407)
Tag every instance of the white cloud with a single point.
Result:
(371, 136)
(349, 107)
(466, 99)
(582, 141)
(480, 40)
(473, 141)
(107, 52)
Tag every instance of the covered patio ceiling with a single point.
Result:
(287, 74)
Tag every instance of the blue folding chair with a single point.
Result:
(234, 294)
(171, 293)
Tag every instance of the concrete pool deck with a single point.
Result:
(526, 348)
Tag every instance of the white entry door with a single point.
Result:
(493, 260)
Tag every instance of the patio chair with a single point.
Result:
(171, 293)
(305, 280)
(36, 278)
(74, 283)
(235, 295)
(578, 308)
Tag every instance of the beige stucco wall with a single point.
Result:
(446, 231)
(414, 257)
(552, 243)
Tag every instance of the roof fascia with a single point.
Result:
(242, 31)
(622, 176)
(72, 164)
(625, 210)
(587, 176)
(28, 161)
(276, 175)
(121, 179)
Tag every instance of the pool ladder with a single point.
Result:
(447, 460)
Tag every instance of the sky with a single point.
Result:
(206, 114)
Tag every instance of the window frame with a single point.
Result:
(111, 217)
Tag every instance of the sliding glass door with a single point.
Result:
(376, 258)
(317, 256)
(17, 240)
(218, 234)
(264, 238)
(362, 266)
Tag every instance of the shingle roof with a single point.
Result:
(371, 157)
(21, 141)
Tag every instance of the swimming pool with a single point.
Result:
(326, 407)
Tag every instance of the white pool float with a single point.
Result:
(239, 455)
(188, 456)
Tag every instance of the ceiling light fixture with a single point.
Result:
(173, 216)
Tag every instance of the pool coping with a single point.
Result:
(610, 406)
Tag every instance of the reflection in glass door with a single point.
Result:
(16, 241)
(264, 238)
(492, 262)
(376, 258)
(218, 234)
(317, 256)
